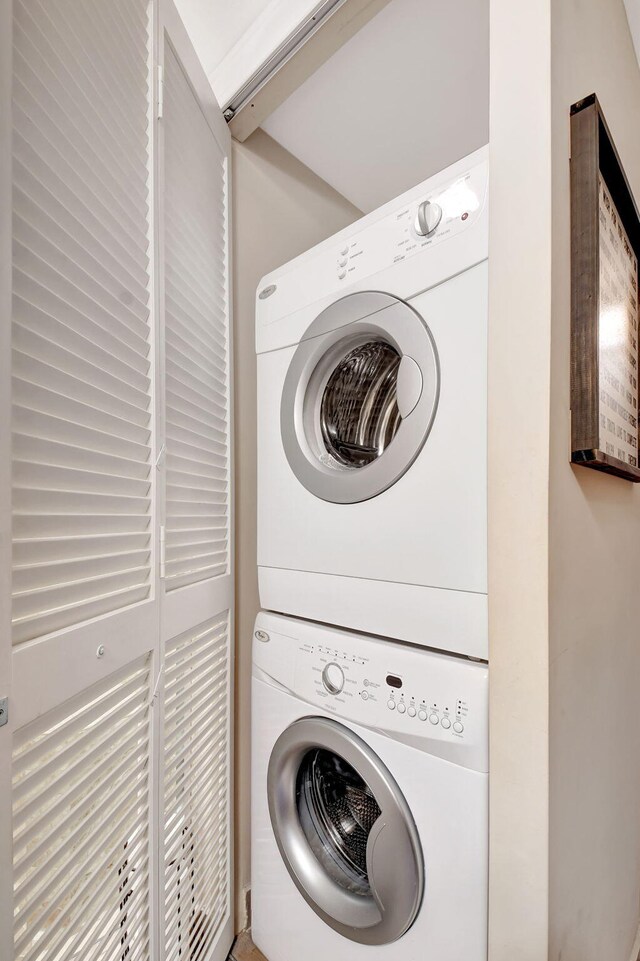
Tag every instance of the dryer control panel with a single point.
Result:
(432, 701)
(428, 234)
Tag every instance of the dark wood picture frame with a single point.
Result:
(594, 159)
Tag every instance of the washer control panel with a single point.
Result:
(337, 671)
(435, 701)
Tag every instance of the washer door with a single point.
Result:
(345, 831)
(359, 397)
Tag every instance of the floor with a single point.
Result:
(245, 950)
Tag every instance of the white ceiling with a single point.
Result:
(215, 26)
(405, 97)
(233, 38)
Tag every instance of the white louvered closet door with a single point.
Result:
(114, 766)
(84, 604)
(196, 595)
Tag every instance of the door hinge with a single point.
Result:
(162, 552)
(160, 94)
(4, 710)
(154, 695)
(160, 457)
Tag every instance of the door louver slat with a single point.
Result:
(196, 731)
(80, 813)
(81, 329)
(196, 349)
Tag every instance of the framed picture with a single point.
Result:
(605, 249)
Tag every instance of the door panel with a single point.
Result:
(103, 735)
(85, 613)
(82, 361)
(81, 824)
(197, 587)
(195, 790)
(196, 335)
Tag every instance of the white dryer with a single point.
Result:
(372, 395)
(369, 798)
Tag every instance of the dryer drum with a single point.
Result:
(359, 397)
(359, 413)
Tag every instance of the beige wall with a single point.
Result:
(594, 561)
(519, 338)
(564, 543)
(280, 208)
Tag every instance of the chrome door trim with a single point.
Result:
(394, 855)
(350, 321)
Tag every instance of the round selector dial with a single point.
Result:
(333, 678)
(427, 219)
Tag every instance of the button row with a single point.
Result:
(445, 722)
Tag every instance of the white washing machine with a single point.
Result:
(372, 396)
(369, 798)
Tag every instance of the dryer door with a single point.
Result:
(345, 831)
(359, 397)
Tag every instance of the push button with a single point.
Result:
(458, 727)
(402, 707)
(446, 723)
(422, 715)
(391, 705)
(433, 718)
(412, 711)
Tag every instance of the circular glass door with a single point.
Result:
(345, 831)
(359, 414)
(337, 811)
(359, 398)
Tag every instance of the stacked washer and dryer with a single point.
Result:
(370, 678)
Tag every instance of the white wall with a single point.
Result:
(633, 15)
(519, 352)
(280, 209)
(564, 542)
(403, 98)
(594, 560)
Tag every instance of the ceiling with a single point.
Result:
(233, 38)
(215, 26)
(405, 97)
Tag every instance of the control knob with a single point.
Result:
(333, 678)
(428, 217)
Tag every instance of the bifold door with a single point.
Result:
(115, 571)
(196, 592)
